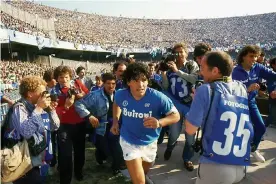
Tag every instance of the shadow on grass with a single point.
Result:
(93, 173)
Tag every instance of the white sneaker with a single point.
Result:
(258, 156)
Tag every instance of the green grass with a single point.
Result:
(93, 173)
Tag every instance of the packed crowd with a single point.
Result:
(14, 24)
(13, 71)
(86, 28)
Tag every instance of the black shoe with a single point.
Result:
(53, 163)
(167, 154)
(262, 138)
(253, 148)
(98, 158)
(189, 165)
(115, 172)
(79, 177)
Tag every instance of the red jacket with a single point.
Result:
(69, 116)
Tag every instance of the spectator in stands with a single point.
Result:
(223, 33)
(130, 60)
(5, 99)
(84, 79)
(71, 133)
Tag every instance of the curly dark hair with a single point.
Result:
(135, 71)
(48, 75)
(108, 76)
(201, 49)
(79, 69)
(62, 70)
(248, 49)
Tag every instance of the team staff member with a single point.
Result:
(249, 73)
(220, 108)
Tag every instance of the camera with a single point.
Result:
(197, 145)
(198, 83)
(263, 87)
(54, 97)
(71, 92)
(169, 56)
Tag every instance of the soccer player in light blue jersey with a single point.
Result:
(220, 108)
(142, 109)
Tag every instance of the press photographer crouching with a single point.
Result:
(27, 123)
(178, 77)
(72, 127)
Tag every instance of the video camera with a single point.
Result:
(168, 56)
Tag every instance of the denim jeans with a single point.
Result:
(188, 151)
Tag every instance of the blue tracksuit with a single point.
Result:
(256, 73)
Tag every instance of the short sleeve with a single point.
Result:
(167, 105)
(119, 97)
(199, 106)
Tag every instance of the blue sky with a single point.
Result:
(167, 9)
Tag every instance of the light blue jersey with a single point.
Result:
(228, 129)
(153, 104)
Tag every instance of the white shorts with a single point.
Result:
(146, 152)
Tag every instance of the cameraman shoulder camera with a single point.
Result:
(176, 62)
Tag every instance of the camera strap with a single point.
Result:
(212, 87)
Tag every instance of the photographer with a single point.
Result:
(220, 107)
(27, 119)
(177, 83)
(72, 127)
(48, 76)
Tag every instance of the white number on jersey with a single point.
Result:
(183, 86)
(238, 150)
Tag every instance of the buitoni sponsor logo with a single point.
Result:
(135, 114)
